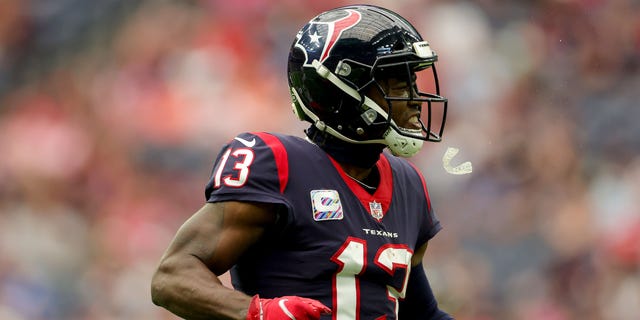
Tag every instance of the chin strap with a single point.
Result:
(327, 74)
(401, 145)
(320, 125)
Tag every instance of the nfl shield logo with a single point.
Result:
(376, 210)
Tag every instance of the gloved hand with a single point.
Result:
(286, 308)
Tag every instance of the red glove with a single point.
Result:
(286, 308)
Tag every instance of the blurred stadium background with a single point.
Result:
(112, 111)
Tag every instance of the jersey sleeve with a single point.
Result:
(251, 167)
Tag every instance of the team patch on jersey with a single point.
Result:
(376, 210)
(326, 205)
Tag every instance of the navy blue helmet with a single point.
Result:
(340, 55)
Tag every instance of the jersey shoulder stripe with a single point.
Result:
(280, 155)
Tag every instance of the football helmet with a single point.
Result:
(340, 55)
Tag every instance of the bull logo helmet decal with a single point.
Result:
(317, 39)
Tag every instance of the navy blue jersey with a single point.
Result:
(335, 242)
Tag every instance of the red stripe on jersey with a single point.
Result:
(424, 184)
(280, 155)
(384, 191)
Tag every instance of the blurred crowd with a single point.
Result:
(112, 111)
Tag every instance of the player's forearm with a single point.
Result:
(420, 302)
(193, 292)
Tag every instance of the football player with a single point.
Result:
(330, 225)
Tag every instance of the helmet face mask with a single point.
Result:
(339, 68)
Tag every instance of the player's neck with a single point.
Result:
(356, 173)
(368, 179)
(360, 158)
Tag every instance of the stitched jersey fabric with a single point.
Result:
(335, 242)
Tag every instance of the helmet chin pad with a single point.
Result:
(400, 145)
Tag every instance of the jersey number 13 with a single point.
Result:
(351, 258)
